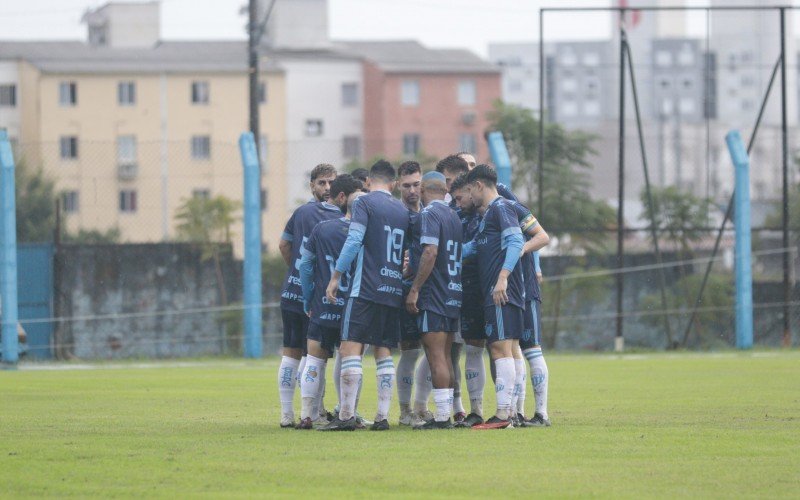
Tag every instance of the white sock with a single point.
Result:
(405, 376)
(301, 368)
(352, 372)
(384, 376)
(310, 386)
(504, 386)
(319, 402)
(476, 378)
(540, 378)
(444, 405)
(287, 381)
(519, 385)
(458, 405)
(337, 373)
(422, 379)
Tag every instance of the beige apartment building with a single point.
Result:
(131, 129)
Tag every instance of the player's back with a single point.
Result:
(442, 292)
(326, 242)
(379, 264)
(526, 221)
(499, 220)
(297, 231)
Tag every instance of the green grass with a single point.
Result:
(702, 425)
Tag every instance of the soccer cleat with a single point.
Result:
(326, 416)
(434, 424)
(493, 423)
(459, 417)
(287, 421)
(471, 420)
(421, 417)
(305, 424)
(537, 421)
(340, 425)
(380, 425)
(406, 417)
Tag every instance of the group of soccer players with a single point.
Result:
(453, 262)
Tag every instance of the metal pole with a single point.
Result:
(542, 108)
(743, 265)
(653, 228)
(252, 248)
(787, 285)
(252, 60)
(8, 232)
(619, 341)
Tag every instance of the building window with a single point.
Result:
(569, 85)
(68, 93)
(97, 35)
(264, 200)
(686, 57)
(409, 93)
(201, 147)
(349, 95)
(663, 58)
(514, 86)
(314, 128)
(127, 201)
(568, 58)
(664, 83)
(8, 95)
(591, 59)
(687, 106)
(591, 108)
(569, 109)
(411, 144)
(126, 93)
(68, 146)
(69, 202)
(200, 93)
(126, 149)
(262, 92)
(203, 194)
(467, 142)
(351, 147)
(466, 93)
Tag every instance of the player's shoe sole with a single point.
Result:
(493, 423)
(340, 425)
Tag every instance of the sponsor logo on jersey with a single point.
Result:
(339, 301)
(456, 287)
(294, 280)
(453, 303)
(391, 273)
(330, 317)
(390, 289)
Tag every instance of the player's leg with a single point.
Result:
(386, 334)
(409, 355)
(474, 333)
(455, 358)
(518, 399)
(540, 376)
(424, 387)
(437, 337)
(290, 364)
(312, 379)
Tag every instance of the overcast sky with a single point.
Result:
(437, 23)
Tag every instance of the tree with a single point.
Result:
(680, 215)
(207, 222)
(569, 207)
(36, 217)
(94, 236)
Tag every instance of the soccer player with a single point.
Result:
(502, 189)
(316, 266)
(532, 351)
(435, 295)
(295, 321)
(498, 246)
(362, 174)
(409, 176)
(472, 321)
(375, 241)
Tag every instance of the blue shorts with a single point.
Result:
(503, 323)
(429, 322)
(366, 322)
(473, 326)
(409, 332)
(327, 337)
(532, 335)
(295, 327)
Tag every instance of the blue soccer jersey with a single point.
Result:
(297, 232)
(412, 243)
(505, 192)
(441, 293)
(499, 221)
(377, 231)
(526, 222)
(322, 249)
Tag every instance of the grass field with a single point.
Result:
(724, 425)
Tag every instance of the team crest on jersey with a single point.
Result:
(489, 330)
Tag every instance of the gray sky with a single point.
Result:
(437, 23)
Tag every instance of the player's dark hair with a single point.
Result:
(452, 163)
(459, 182)
(408, 168)
(382, 171)
(323, 169)
(346, 184)
(361, 174)
(483, 173)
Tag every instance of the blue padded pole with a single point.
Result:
(252, 247)
(8, 233)
(741, 221)
(500, 157)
